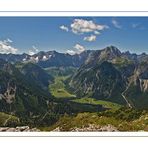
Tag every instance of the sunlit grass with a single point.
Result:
(105, 104)
(58, 88)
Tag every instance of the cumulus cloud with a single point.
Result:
(77, 49)
(64, 28)
(5, 47)
(33, 50)
(116, 24)
(71, 52)
(90, 38)
(80, 26)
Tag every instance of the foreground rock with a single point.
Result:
(19, 129)
(91, 128)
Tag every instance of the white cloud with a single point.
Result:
(90, 38)
(33, 50)
(80, 26)
(116, 24)
(77, 49)
(5, 47)
(64, 28)
(71, 52)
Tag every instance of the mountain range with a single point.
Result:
(53, 58)
(107, 74)
(48, 59)
(111, 75)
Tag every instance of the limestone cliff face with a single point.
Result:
(141, 77)
(144, 85)
(9, 94)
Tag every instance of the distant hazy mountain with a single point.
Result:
(53, 58)
(15, 57)
(48, 59)
(56, 59)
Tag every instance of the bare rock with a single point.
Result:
(19, 129)
(91, 128)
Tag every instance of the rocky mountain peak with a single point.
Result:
(111, 51)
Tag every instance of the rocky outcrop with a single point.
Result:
(9, 95)
(144, 85)
(19, 129)
(91, 128)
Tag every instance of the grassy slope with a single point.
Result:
(8, 120)
(105, 104)
(123, 120)
(58, 88)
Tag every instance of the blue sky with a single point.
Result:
(72, 34)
